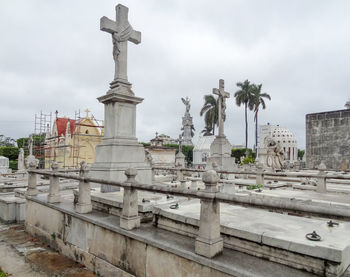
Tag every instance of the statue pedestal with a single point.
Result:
(119, 149)
(220, 153)
(187, 126)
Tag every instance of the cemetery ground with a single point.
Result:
(25, 256)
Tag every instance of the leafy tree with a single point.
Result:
(255, 103)
(10, 152)
(22, 142)
(301, 154)
(7, 141)
(210, 110)
(237, 153)
(244, 97)
(187, 150)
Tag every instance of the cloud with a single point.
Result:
(54, 57)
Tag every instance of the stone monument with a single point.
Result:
(271, 156)
(221, 148)
(31, 160)
(180, 157)
(20, 164)
(187, 124)
(119, 148)
(4, 165)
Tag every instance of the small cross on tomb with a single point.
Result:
(122, 32)
(222, 104)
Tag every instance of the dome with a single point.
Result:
(284, 137)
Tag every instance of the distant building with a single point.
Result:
(72, 141)
(284, 137)
(161, 155)
(161, 140)
(201, 151)
(328, 138)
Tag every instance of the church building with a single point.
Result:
(72, 141)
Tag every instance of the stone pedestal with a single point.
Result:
(120, 149)
(187, 127)
(84, 204)
(130, 218)
(220, 153)
(180, 159)
(209, 243)
(54, 195)
(32, 163)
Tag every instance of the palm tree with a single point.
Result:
(257, 100)
(207, 131)
(210, 111)
(244, 96)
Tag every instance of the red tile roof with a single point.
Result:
(61, 124)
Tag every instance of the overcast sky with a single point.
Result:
(54, 57)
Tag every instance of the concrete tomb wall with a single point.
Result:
(328, 138)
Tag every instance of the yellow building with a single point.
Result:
(72, 141)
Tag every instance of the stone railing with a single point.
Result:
(209, 242)
(321, 176)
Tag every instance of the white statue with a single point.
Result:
(21, 160)
(186, 101)
(275, 154)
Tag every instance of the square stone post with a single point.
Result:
(84, 197)
(321, 178)
(209, 243)
(32, 177)
(130, 218)
(54, 189)
(194, 184)
(183, 183)
(259, 175)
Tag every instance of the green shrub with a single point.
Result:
(187, 150)
(9, 152)
(237, 153)
(13, 165)
(301, 154)
(2, 273)
(251, 187)
(248, 160)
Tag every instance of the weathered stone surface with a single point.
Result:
(112, 251)
(327, 138)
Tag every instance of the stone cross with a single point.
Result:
(87, 113)
(222, 105)
(122, 32)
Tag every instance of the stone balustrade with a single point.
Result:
(208, 243)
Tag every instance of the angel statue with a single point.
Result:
(186, 101)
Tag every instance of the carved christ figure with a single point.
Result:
(121, 32)
(222, 95)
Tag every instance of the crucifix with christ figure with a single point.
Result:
(222, 105)
(121, 32)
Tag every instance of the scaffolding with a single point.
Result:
(73, 151)
(42, 123)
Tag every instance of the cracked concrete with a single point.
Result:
(25, 256)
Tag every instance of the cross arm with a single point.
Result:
(107, 25)
(135, 37)
(216, 91)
